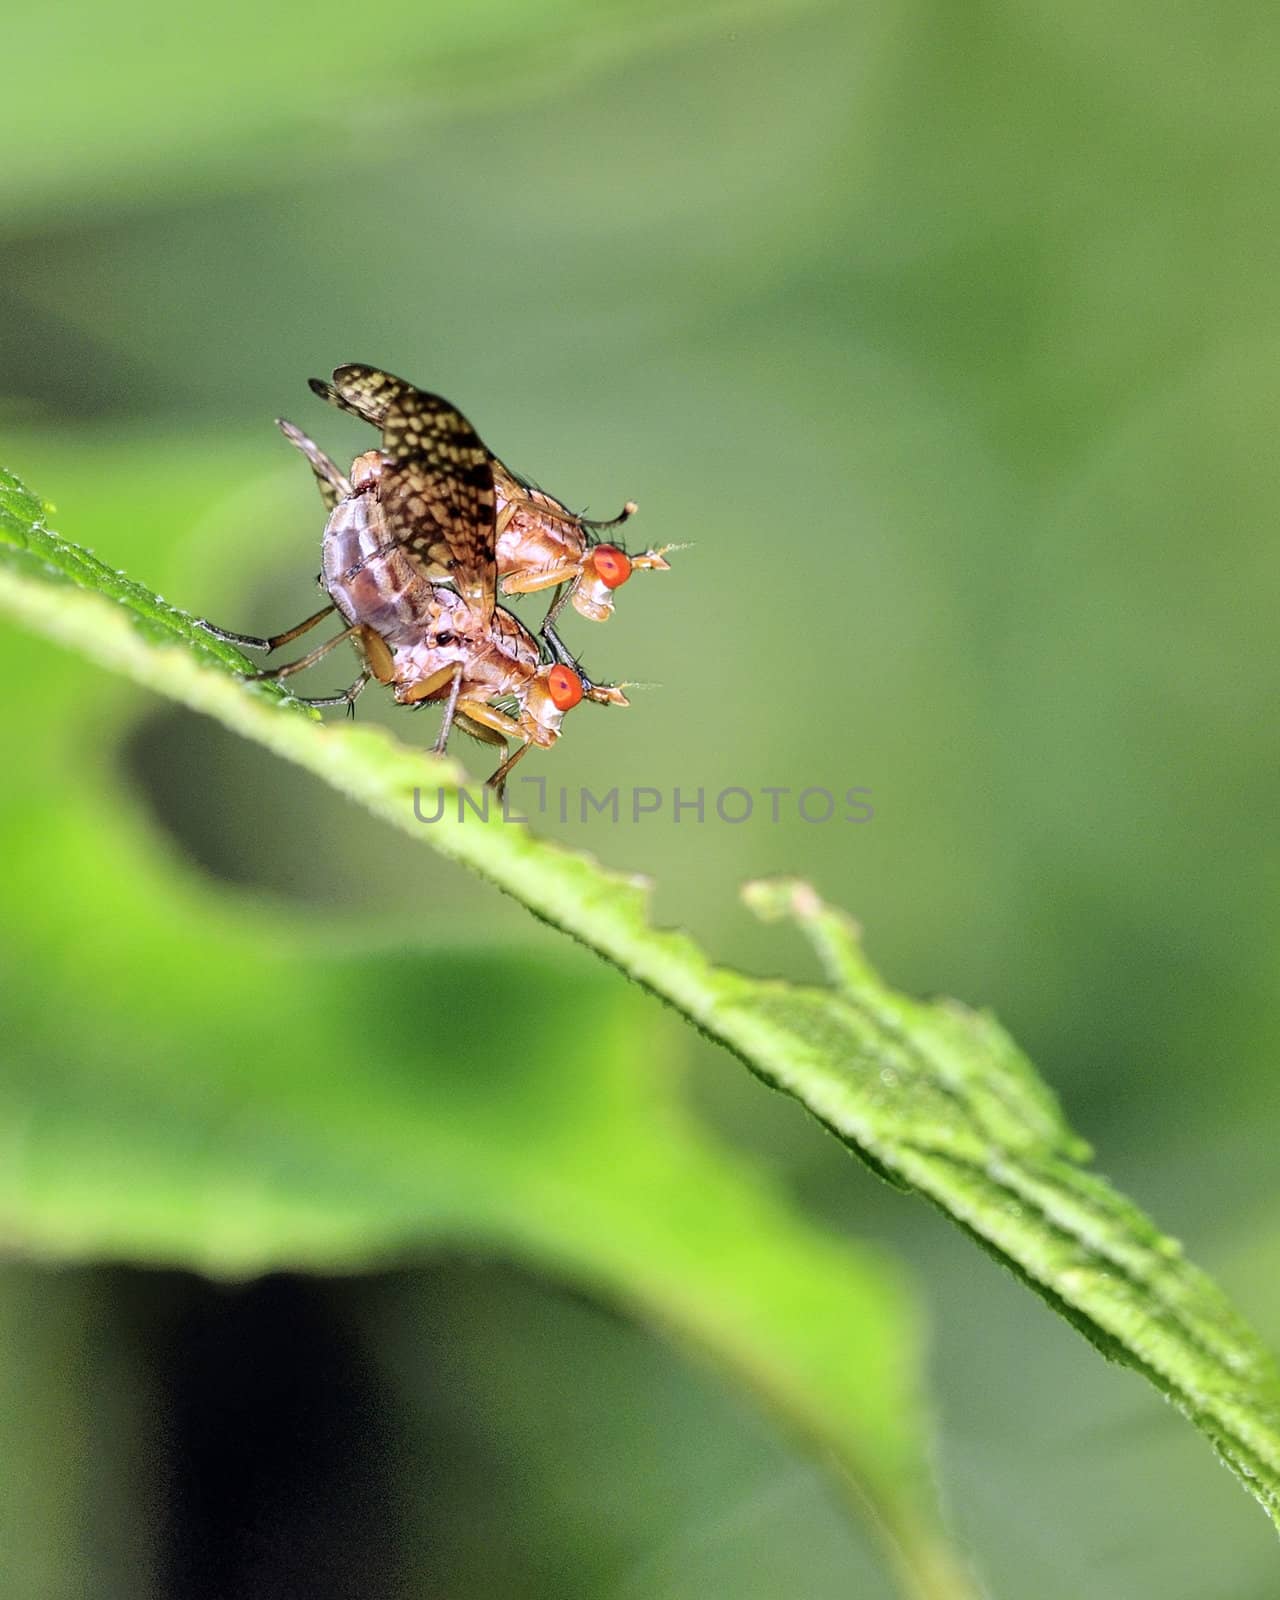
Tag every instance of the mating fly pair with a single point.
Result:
(419, 534)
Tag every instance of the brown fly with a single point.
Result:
(539, 543)
(409, 564)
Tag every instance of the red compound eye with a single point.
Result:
(612, 564)
(565, 687)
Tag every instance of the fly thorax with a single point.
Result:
(366, 470)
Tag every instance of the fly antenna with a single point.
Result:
(628, 511)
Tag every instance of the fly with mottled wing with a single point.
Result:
(539, 543)
(410, 564)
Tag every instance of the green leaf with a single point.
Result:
(934, 1096)
(28, 545)
(187, 1082)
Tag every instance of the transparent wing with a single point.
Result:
(515, 638)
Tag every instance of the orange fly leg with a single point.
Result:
(491, 726)
(505, 518)
(484, 735)
(445, 681)
(427, 688)
(498, 780)
(543, 578)
(377, 652)
(487, 716)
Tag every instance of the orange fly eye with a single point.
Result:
(564, 686)
(612, 564)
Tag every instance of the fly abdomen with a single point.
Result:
(367, 574)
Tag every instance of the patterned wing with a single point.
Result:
(333, 485)
(363, 391)
(437, 493)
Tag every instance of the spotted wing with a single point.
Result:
(437, 494)
(333, 485)
(364, 391)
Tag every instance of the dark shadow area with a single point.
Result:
(461, 1428)
(280, 1448)
(245, 821)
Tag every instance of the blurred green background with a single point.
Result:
(948, 336)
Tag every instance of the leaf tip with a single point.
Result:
(776, 899)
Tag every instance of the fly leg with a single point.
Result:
(248, 641)
(303, 662)
(334, 486)
(447, 681)
(484, 734)
(498, 780)
(543, 578)
(491, 726)
(554, 642)
(505, 518)
(450, 709)
(347, 698)
(564, 578)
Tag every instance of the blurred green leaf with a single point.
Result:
(934, 1096)
(249, 91)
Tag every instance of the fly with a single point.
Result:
(409, 564)
(539, 543)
